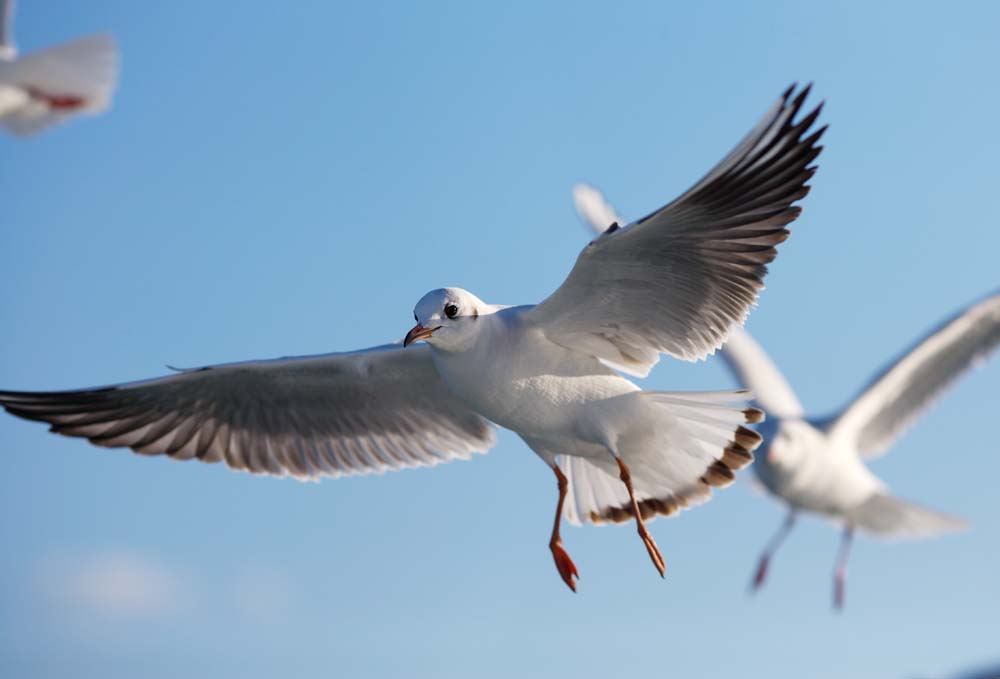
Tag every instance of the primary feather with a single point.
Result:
(329, 415)
(677, 280)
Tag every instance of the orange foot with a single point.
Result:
(838, 592)
(565, 565)
(654, 553)
(761, 575)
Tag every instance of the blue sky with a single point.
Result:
(291, 178)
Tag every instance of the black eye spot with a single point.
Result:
(451, 311)
(415, 318)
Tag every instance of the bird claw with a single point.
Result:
(760, 576)
(838, 592)
(654, 554)
(564, 564)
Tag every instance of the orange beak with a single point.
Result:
(418, 332)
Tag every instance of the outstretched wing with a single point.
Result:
(755, 370)
(679, 279)
(900, 393)
(348, 413)
(746, 359)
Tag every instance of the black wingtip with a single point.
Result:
(187, 370)
(817, 134)
(800, 99)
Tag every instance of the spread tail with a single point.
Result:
(687, 444)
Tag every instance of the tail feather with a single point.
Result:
(696, 445)
(890, 517)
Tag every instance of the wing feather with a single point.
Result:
(754, 370)
(898, 395)
(677, 280)
(8, 50)
(350, 413)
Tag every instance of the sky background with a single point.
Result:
(291, 177)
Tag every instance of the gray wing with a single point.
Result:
(8, 50)
(677, 280)
(348, 413)
(910, 384)
(755, 370)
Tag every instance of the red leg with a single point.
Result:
(769, 551)
(840, 573)
(647, 539)
(565, 565)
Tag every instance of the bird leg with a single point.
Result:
(772, 547)
(647, 539)
(840, 573)
(565, 565)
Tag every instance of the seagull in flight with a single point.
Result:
(818, 464)
(47, 87)
(676, 282)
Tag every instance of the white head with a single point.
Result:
(446, 318)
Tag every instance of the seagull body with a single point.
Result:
(814, 474)
(818, 464)
(510, 373)
(47, 87)
(674, 282)
(560, 401)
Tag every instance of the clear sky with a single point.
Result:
(291, 177)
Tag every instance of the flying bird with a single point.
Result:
(675, 282)
(55, 84)
(818, 464)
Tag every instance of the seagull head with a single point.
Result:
(446, 318)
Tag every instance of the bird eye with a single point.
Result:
(415, 318)
(451, 311)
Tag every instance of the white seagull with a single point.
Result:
(817, 464)
(47, 87)
(675, 282)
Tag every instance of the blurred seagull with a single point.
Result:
(673, 282)
(817, 464)
(47, 87)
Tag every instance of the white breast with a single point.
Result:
(802, 466)
(517, 378)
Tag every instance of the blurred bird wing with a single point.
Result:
(755, 370)
(84, 69)
(894, 399)
(347, 413)
(679, 279)
(8, 50)
(594, 209)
